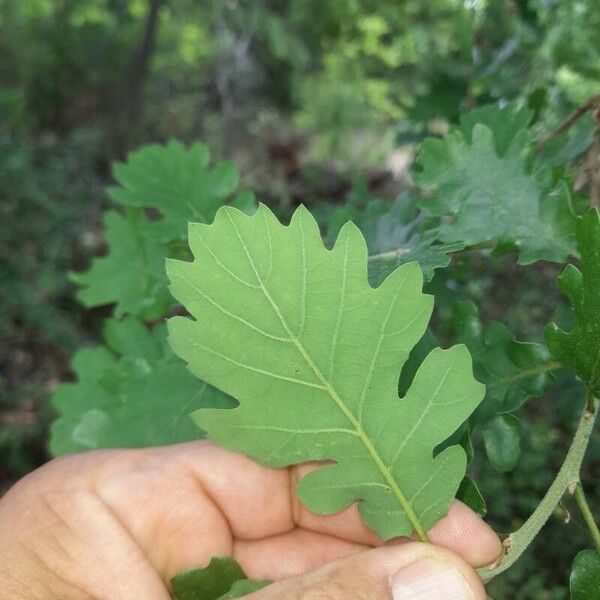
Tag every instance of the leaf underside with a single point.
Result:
(312, 353)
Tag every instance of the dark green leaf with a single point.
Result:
(469, 493)
(513, 371)
(506, 124)
(580, 348)
(585, 576)
(395, 234)
(212, 582)
(502, 439)
(243, 587)
(495, 198)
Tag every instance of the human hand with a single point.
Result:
(118, 524)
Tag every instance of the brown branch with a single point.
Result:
(591, 104)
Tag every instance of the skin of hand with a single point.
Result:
(118, 524)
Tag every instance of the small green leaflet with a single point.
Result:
(580, 348)
(131, 275)
(585, 576)
(221, 579)
(313, 354)
(484, 181)
(176, 181)
(133, 393)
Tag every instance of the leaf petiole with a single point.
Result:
(587, 515)
(568, 475)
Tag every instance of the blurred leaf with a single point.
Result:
(396, 233)
(492, 197)
(207, 583)
(469, 493)
(585, 576)
(131, 275)
(308, 337)
(177, 182)
(568, 146)
(502, 439)
(506, 124)
(580, 348)
(512, 371)
(137, 395)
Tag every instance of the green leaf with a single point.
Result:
(513, 371)
(243, 587)
(131, 276)
(469, 493)
(502, 439)
(208, 583)
(313, 354)
(506, 124)
(177, 182)
(137, 395)
(580, 348)
(494, 198)
(396, 234)
(585, 576)
(398, 237)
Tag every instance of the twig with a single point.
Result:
(591, 104)
(568, 476)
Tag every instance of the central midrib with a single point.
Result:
(364, 438)
(371, 450)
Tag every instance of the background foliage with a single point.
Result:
(315, 103)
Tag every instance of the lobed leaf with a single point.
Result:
(313, 354)
(131, 275)
(484, 182)
(580, 348)
(177, 182)
(134, 393)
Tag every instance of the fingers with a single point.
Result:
(411, 571)
(466, 534)
(292, 553)
(260, 502)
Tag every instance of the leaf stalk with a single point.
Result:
(584, 507)
(568, 475)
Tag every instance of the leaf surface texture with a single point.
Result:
(313, 354)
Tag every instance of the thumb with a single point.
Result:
(411, 571)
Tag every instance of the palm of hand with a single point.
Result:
(119, 524)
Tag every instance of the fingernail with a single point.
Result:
(430, 579)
